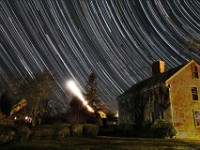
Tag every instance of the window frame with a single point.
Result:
(196, 123)
(195, 74)
(194, 98)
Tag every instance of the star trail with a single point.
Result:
(118, 40)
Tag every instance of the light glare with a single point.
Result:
(76, 91)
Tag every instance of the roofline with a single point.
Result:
(191, 61)
(166, 80)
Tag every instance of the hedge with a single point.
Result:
(77, 130)
(10, 133)
(90, 130)
(7, 134)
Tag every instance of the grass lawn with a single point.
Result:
(105, 143)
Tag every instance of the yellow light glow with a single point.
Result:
(102, 114)
(76, 91)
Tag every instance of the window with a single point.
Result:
(195, 72)
(197, 118)
(194, 93)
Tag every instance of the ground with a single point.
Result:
(105, 143)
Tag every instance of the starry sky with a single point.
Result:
(118, 40)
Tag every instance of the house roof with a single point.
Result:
(160, 78)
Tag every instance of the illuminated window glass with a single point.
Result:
(194, 93)
(197, 118)
(195, 72)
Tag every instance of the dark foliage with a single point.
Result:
(90, 130)
(78, 113)
(162, 129)
(5, 104)
(92, 94)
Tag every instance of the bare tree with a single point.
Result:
(136, 109)
(36, 91)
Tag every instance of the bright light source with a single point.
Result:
(76, 91)
(85, 103)
(28, 119)
(89, 108)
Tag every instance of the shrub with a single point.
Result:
(23, 133)
(44, 131)
(162, 129)
(90, 130)
(7, 134)
(77, 130)
(62, 130)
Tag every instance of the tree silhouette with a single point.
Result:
(93, 99)
(5, 104)
(36, 91)
(78, 113)
(91, 93)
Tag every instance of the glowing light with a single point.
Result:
(89, 108)
(85, 103)
(76, 91)
(28, 119)
(102, 114)
(117, 114)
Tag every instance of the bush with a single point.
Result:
(44, 131)
(62, 130)
(90, 130)
(7, 134)
(23, 133)
(77, 130)
(162, 129)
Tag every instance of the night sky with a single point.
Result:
(118, 40)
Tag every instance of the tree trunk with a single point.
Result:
(33, 121)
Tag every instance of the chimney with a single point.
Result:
(158, 67)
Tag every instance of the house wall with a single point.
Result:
(182, 103)
(124, 110)
(154, 98)
(158, 104)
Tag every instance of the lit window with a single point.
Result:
(194, 93)
(197, 118)
(195, 72)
